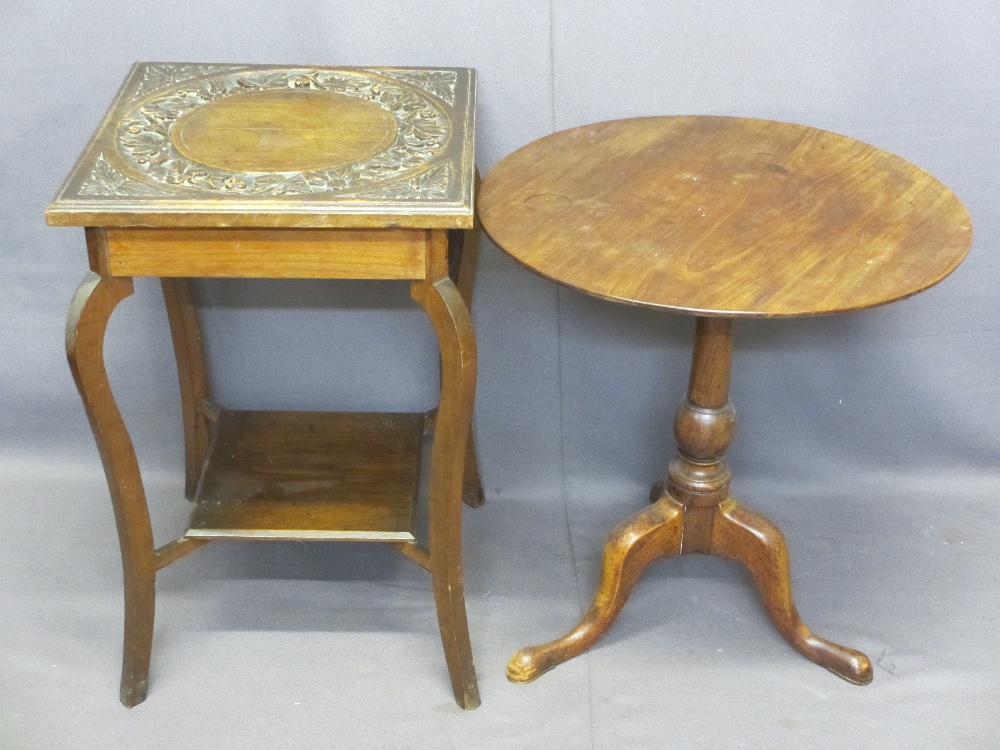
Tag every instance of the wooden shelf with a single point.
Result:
(310, 475)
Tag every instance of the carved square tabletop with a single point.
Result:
(195, 145)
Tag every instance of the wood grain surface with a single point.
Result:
(192, 376)
(310, 475)
(284, 131)
(275, 172)
(89, 313)
(269, 253)
(247, 146)
(442, 300)
(724, 216)
(693, 511)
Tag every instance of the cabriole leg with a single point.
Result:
(693, 511)
(453, 327)
(636, 542)
(92, 306)
(751, 539)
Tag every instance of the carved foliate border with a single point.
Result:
(144, 141)
(161, 76)
(440, 83)
(106, 180)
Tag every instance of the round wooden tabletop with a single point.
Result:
(724, 216)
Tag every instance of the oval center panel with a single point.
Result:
(284, 131)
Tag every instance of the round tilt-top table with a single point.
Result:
(720, 218)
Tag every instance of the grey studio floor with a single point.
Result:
(302, 645)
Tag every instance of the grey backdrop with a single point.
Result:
(871, 438)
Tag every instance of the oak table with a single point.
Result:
(719, 218)
(282, 172)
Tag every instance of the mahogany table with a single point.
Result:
(278, 172)
(719, 218)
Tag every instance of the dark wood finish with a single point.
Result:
(452, 324)
(697, 513)
(722, 218)
(89, 313)
(310, 475)
(269, 253)
(651, 533)
(463, 262)
(195, 146)
(749, 538)
(192, 375)
(348, 195)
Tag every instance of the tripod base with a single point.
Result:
(667, 528)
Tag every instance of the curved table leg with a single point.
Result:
(698, 515)
(653, 532)
(192, 376)
(463, 260)
(472, 485)
(751, 539)
(92, 306)
(453, 327)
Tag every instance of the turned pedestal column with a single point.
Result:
(719, 218)
(693, 510)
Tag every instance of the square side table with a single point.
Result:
(201, 171)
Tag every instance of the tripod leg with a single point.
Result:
(748, 537)
(651, 533)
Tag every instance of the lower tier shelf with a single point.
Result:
(310, 475)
